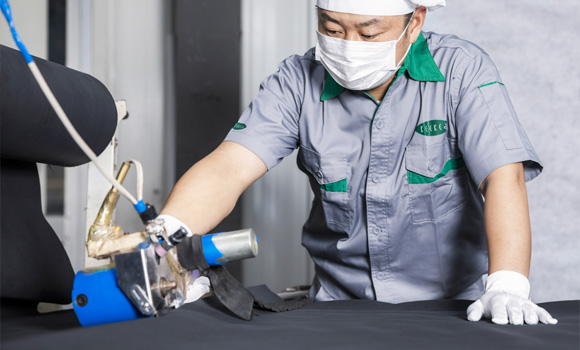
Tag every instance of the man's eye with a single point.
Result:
(369, 36)
(332, 32)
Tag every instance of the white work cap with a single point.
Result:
(378, 7)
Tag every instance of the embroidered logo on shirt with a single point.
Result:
(239, 126)
(432, 127)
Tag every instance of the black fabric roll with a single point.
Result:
(33, 263)
(31, 130)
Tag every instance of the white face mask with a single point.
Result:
(359, 65)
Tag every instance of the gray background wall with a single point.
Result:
(277, 205)
(536, 47)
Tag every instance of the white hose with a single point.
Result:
(79, 140)
(139, 169)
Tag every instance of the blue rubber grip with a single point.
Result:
(5, 6)
(210, 251)
(105, 301)
(140, 207)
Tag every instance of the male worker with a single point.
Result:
(400, 133)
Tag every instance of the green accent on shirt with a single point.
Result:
(419, 63)
(452, 164)
(432, 127)
(331, 88)
(339, 186)
(239, 126)
(374, 99)
(493, 82)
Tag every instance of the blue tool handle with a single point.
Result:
(97, 299)
(210, 252)
(220, 248)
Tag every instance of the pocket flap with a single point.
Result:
(432, 160)
(326, 170)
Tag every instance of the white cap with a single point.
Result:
(378, 7)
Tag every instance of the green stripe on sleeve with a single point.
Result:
(493, 82)
(452, 164)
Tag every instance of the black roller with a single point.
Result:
(30, 129)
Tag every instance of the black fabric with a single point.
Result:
(30, 129)
(267, 300)
(355, 324)
(230, 292)
(20, 318)
(34, 265)
(227, 289)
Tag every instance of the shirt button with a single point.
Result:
(375, 179)
(319, 174)
(379, 124)
(382, 276)
(375, 231)
(431, 166)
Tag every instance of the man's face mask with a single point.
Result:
(359, 65)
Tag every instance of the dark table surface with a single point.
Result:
(355, 324)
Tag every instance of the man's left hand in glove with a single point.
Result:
(506, 300)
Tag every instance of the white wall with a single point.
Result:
(277, 205)
(535, 45)
(31, 21)
(130, 58)
(124, 44)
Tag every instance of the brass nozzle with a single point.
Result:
(107, 209)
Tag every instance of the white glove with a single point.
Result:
(173, 224)
(199, 288)
(506, 299)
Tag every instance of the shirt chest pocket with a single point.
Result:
(329, 181)
(437, 181)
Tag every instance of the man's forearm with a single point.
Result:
(507, 221)
(507, 225)
(208, 192)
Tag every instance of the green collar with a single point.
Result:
(419, 63)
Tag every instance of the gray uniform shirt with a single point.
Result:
(397, 215)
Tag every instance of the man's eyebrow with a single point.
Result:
(369, 22)
(325, 16)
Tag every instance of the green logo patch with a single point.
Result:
(239, 126)
(432, 127)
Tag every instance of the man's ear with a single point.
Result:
(417, 23)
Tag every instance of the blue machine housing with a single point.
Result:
(97, 299)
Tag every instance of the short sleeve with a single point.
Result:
(488, 130)
(269, 125)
